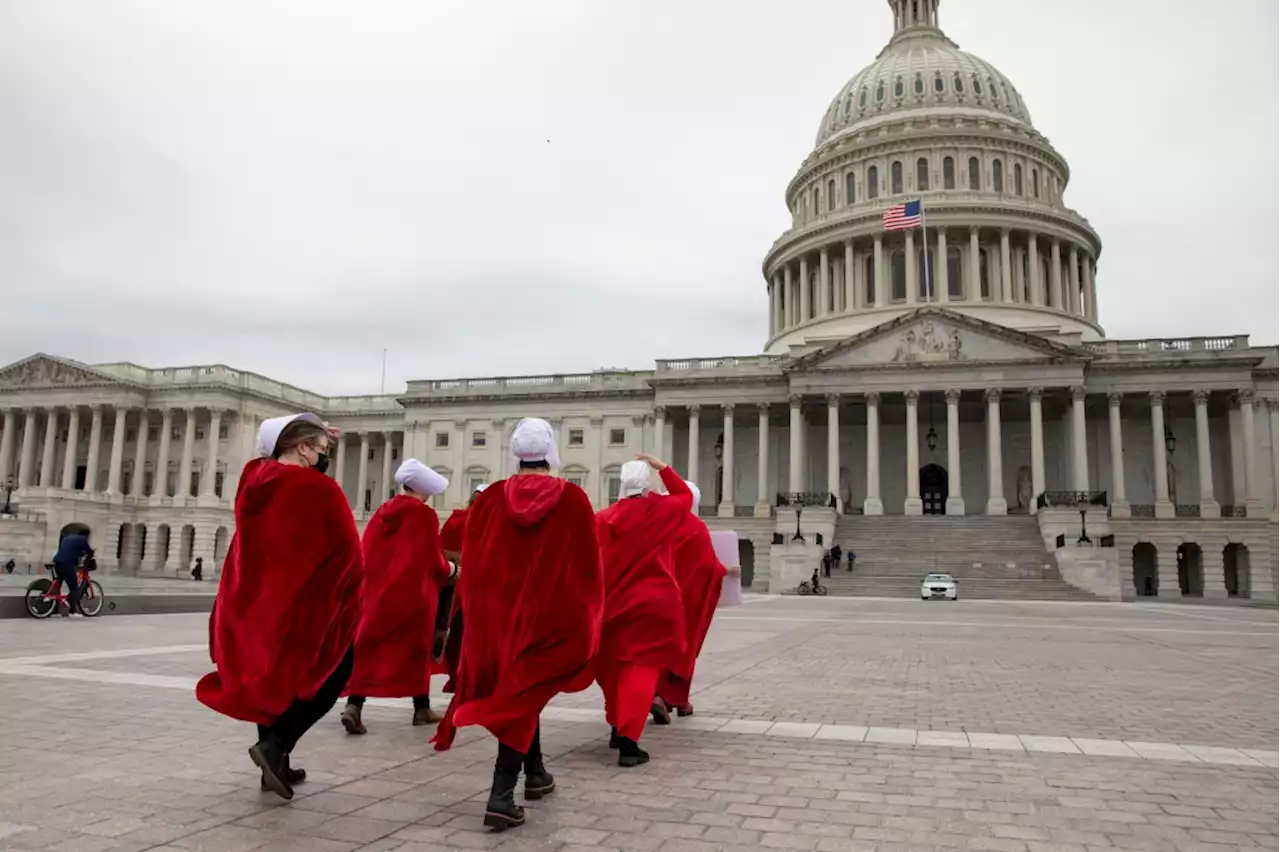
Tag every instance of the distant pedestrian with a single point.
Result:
(9, 566)
(197, 570)
(852, 556)
(836, 555)
(826, 564)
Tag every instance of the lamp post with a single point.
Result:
(799, 536)
(1170, 442)
(9, 488)
(1084, 538)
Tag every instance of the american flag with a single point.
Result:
(902, 217)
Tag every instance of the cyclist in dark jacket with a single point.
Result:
(71, 550)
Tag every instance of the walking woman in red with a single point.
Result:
(284, 620)
(404, 570)
(643, 630)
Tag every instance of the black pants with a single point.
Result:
(420, 702)
(511, 761)
(299, 716)
(71, 583)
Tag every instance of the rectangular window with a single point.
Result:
(395, 454)
(576, 437)
(148, 481)
(152, 433)
(199, 434)
(474, 483)
(479, 439)
(442, 440)
(175, 434)
(371, 451)
(577, 479)
(195, 483)
(222, 432)
(131, 434)
(218, 479)
(617, 437)
(615, 488)
(170, 483)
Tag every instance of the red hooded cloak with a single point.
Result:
(451, 542)
(643, 617)
(289, 597)
(532, 594)
(700, 576)
(404, 568)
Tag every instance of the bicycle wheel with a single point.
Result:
(39, 606)
(821, 591)
(803, 589)
(92, 599)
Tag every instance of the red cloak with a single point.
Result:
(700, 576)
(451, 544)
(404, 568)
(451, 532)
(643, 616)
(289, 597)
(532, 593)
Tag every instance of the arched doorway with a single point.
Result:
(1190, 570)
(1235, 569)
(1146, 579)
(933, 489)
(747, 559)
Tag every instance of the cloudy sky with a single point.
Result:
(490, 188)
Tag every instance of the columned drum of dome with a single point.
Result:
(928, 121)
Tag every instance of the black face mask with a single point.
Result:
(322, 462)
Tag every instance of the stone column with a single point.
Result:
(913, 280)
(1006, 268)
(188, 454)
(1055, 275)
(385, 485)
(1159, 458)
(139, 456)
(6, 445)
(362, 473)
(873, 505)
(695, 430)
(941, 287)
(1033, 269)
(762, 462)
(996, 504)
(1209, 507)
(95, 449)
(806, 304)
(851, 294)
(408, 443)
(1079, 441)
(50, 447)
(72, 449)
(1073, 280)
(1037, 446)
(824, 281)
(794, 463)
(1252, 499)
(660, 431)
(118, 428)
(1119, 502)
(833, 448)
(955, 492)
(209, 479)
(1090, 295)
(160, 483)
(28, 459)
(913, 505)
(775, 304)
(340, 465)
(1273, 408)
(882, 298)
(789, 315)
(974, 289)
(726, 462)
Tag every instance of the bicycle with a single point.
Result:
(805, 588)
(44, 596)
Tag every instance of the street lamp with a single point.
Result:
(931, 437)
(1170, 442)
(799, 536)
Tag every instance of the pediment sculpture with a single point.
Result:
(926, 342)
(44, 372)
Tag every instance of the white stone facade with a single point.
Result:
(985, 386)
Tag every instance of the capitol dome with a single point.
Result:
(928, 122)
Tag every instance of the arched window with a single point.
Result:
(831, 194)
(938, 85)
(922, 174)
(977, 86)
(817, 202)
(919, 83)
(975, 174)
(850, 189)
(925, 285)
(872, 187)
(895, 177)
(984, 274)
(1017, 178)
(898, 268)
(869, 279)
(997, 175)
(880, 92)
(1035, 182)
(899, 89)
(995, 91)
(957, 83)
(955, 273)
(948, 173)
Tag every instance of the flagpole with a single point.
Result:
(928, 267)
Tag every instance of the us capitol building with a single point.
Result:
(958, 371)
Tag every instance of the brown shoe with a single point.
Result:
(351, 720)
(426, 716)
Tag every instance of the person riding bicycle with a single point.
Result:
(815, 581)
(73, 551)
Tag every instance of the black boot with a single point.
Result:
(538, 782)
(686, 710)
(630, 754)
(351, 719)
(274, 763)
(291, 776)
(502, 812)
(615, 741)
(660, 712)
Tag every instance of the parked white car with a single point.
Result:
(938, 586)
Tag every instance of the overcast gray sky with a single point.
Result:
(499, 188)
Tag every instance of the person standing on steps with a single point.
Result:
(644, 625)
(836, 554)
(404, 569)
(532, 594)
(284, 620)
(197, 570)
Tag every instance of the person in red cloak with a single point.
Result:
(700, 576)
(288, 603)
(643, 630)
(404, 569)
(448, 643)
(532, 594)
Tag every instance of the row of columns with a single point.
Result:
(26, 471)
(790, 302)
(338, 469)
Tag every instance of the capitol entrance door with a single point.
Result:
(933, 489)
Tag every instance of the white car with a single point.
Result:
(938, 586)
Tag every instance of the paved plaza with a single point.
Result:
(836, 725)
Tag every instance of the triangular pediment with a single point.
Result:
(931, 336)
(47, 371)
